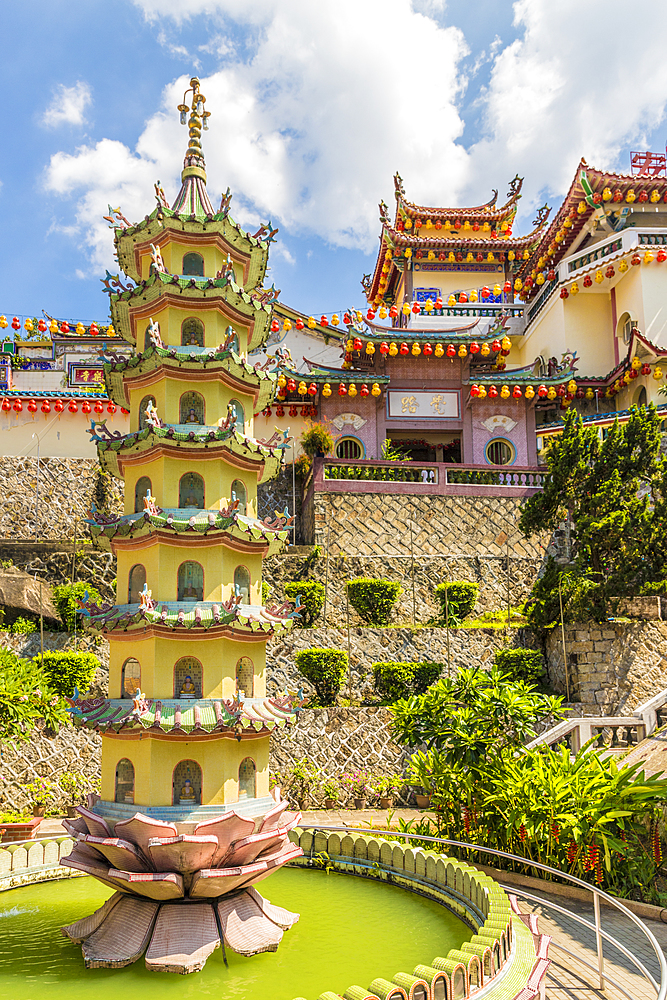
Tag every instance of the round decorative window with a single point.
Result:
(348, 448)
(499, 452)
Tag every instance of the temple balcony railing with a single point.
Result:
(437, 478)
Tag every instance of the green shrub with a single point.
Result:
(23, 626)
(317, 439)
(656, 587)
(521, 664)
(266, 590)
(312, 600)
(373, 600)
(401, 680)
(66, 598)
(68, 670)
(325, 669)
(461, 598)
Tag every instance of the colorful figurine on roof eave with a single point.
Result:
(185, 813)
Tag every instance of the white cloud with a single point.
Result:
(68, 105)
(574, 83)
(280, 250)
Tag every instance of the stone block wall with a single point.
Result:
(613, 668)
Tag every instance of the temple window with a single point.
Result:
(147, 340)
(640, 397)
(186, 784)
(130, 679)
(247, 779)
(458, 984)
(142, 411)
(245, 676)
(190, 582)
(193, 264)
(242, 584)
(135, 584)
(191, 491)
(439, 988)
(192, 408)
(499, 452)
(349, 448)
(474, 972)
(124, 790)
(192, 332)
(239, 415)
(188, 678)
(239, 493)
(140, 490)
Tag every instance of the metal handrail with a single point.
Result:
(598, 894)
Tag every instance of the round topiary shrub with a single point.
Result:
(66, 599)
(461, 597)
(521, 664)
(325, 669)
(68, 670)
(394, 681)
(312, 600)
(373, 600)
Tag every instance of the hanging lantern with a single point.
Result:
(438, 303)
(59, 406)
(463, 351)
(293, 411)
(393, 312)
(382, 313)
(370, 348)
(85, 407)
(53, 326)
(507, 287)
(623, 266)
(648, 257)
(463, 298)
(588, 281)
(540, 278)
(561, 391)
(439, 350)
(303, 389)
(406, 309)
(18, 405)
(516, 392)
(111, 409)
(551, 274)
(474, 347)
(482, 392)
(646, 369)
(589, 394)
(357, 344)
(312, 323)
(657, 373)
(326, 390)
(93, 329)
(506, 343)
(451, 301)
(280, 411)
(505, 392)
(530, 392)
(282, 381)
(364, 390)
(312, 389)
(571, 387)
(416, 349)
(110, 331)
(342, 391)
(661, 256)
(393, 349)
(428, 350)
(610, 272)
(574, 289)
(404, 349)
(80, 330)
(324, 321)
(376, 390)
(636, 363)
(32, 406)
(73, 408)
(630, 196)
(16, 323)
(633, 373)
(347, 319)
(474, 391)
(335, 319)
(3, 323)
(275, 326)
(451, 351)
(370, 314)
(29, 325)
(636, 260)
(496, 345)
(416, 308)
(599, 277)
(46, 406)
(352, 390)
(551, 393)
(486, 292)
(473, 296)
(291, 385)
(99, 407)
(484, 350)
(349, 345)
(564, 294)
(493, 392)
(518, 285)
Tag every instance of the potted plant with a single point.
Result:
(356, 784)
(316, 439)
(300, 780)
(74, 787)
(420, 775)
(41, 791)
(384, 786)
(331, 789)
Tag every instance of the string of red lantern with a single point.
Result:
(16, 404)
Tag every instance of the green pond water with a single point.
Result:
(351, 931)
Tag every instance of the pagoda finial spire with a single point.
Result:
(194, 164)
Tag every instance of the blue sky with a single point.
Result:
(314, 106)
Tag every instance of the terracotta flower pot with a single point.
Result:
(423, 801)
(385, 802)
(304, 803)
(71, 812)
(330, 803)
(360, 803)
(38, 810)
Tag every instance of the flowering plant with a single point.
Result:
(356, 784)
(385, 784)
(41, 791)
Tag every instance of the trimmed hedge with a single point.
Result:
(461, 596)
(325, 669)
(521, 664)
(312, 600)
(400, 680)
(373, 600)
(68, 670)
(66, 599)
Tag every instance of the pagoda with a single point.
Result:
(185, 813)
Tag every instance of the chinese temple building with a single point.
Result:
(185, 812)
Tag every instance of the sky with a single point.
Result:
(315, 104)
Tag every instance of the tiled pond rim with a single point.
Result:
(507, 957)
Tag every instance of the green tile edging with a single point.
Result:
(500, 943)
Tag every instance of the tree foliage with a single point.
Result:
(325, 669)
(25, 697)
(460, 597)
(311, 593)
(372, 599)
(70, 669)
(66, 599)
(394, 681)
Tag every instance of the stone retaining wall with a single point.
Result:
(614, 667)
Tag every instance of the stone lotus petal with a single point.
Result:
(185, 854)
(216, 867)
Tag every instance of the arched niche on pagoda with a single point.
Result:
(242, 584)
(247, 779)
(190, 581)
(124, 781)
(188, 678)
(191, 491)
(140, 490)
(186, 783)
(240, 493)
(135, 583)
(192, 332)
(245, 676)
(130, 677)
(193, 264)
(143, 406)
(192, 408)
(239, 415)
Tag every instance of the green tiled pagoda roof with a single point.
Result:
(204, 615)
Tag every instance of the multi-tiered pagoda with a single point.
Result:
(185, 813)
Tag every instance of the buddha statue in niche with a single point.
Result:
(188, 689)
(187, 792)
(192, 417)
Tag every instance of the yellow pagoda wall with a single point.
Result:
(171, 317)
(168, 392)
(162, 560)
(173, 252)
(154, 762)
(581, 323)
(165, 476)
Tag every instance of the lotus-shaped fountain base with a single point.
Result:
(179, 896)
